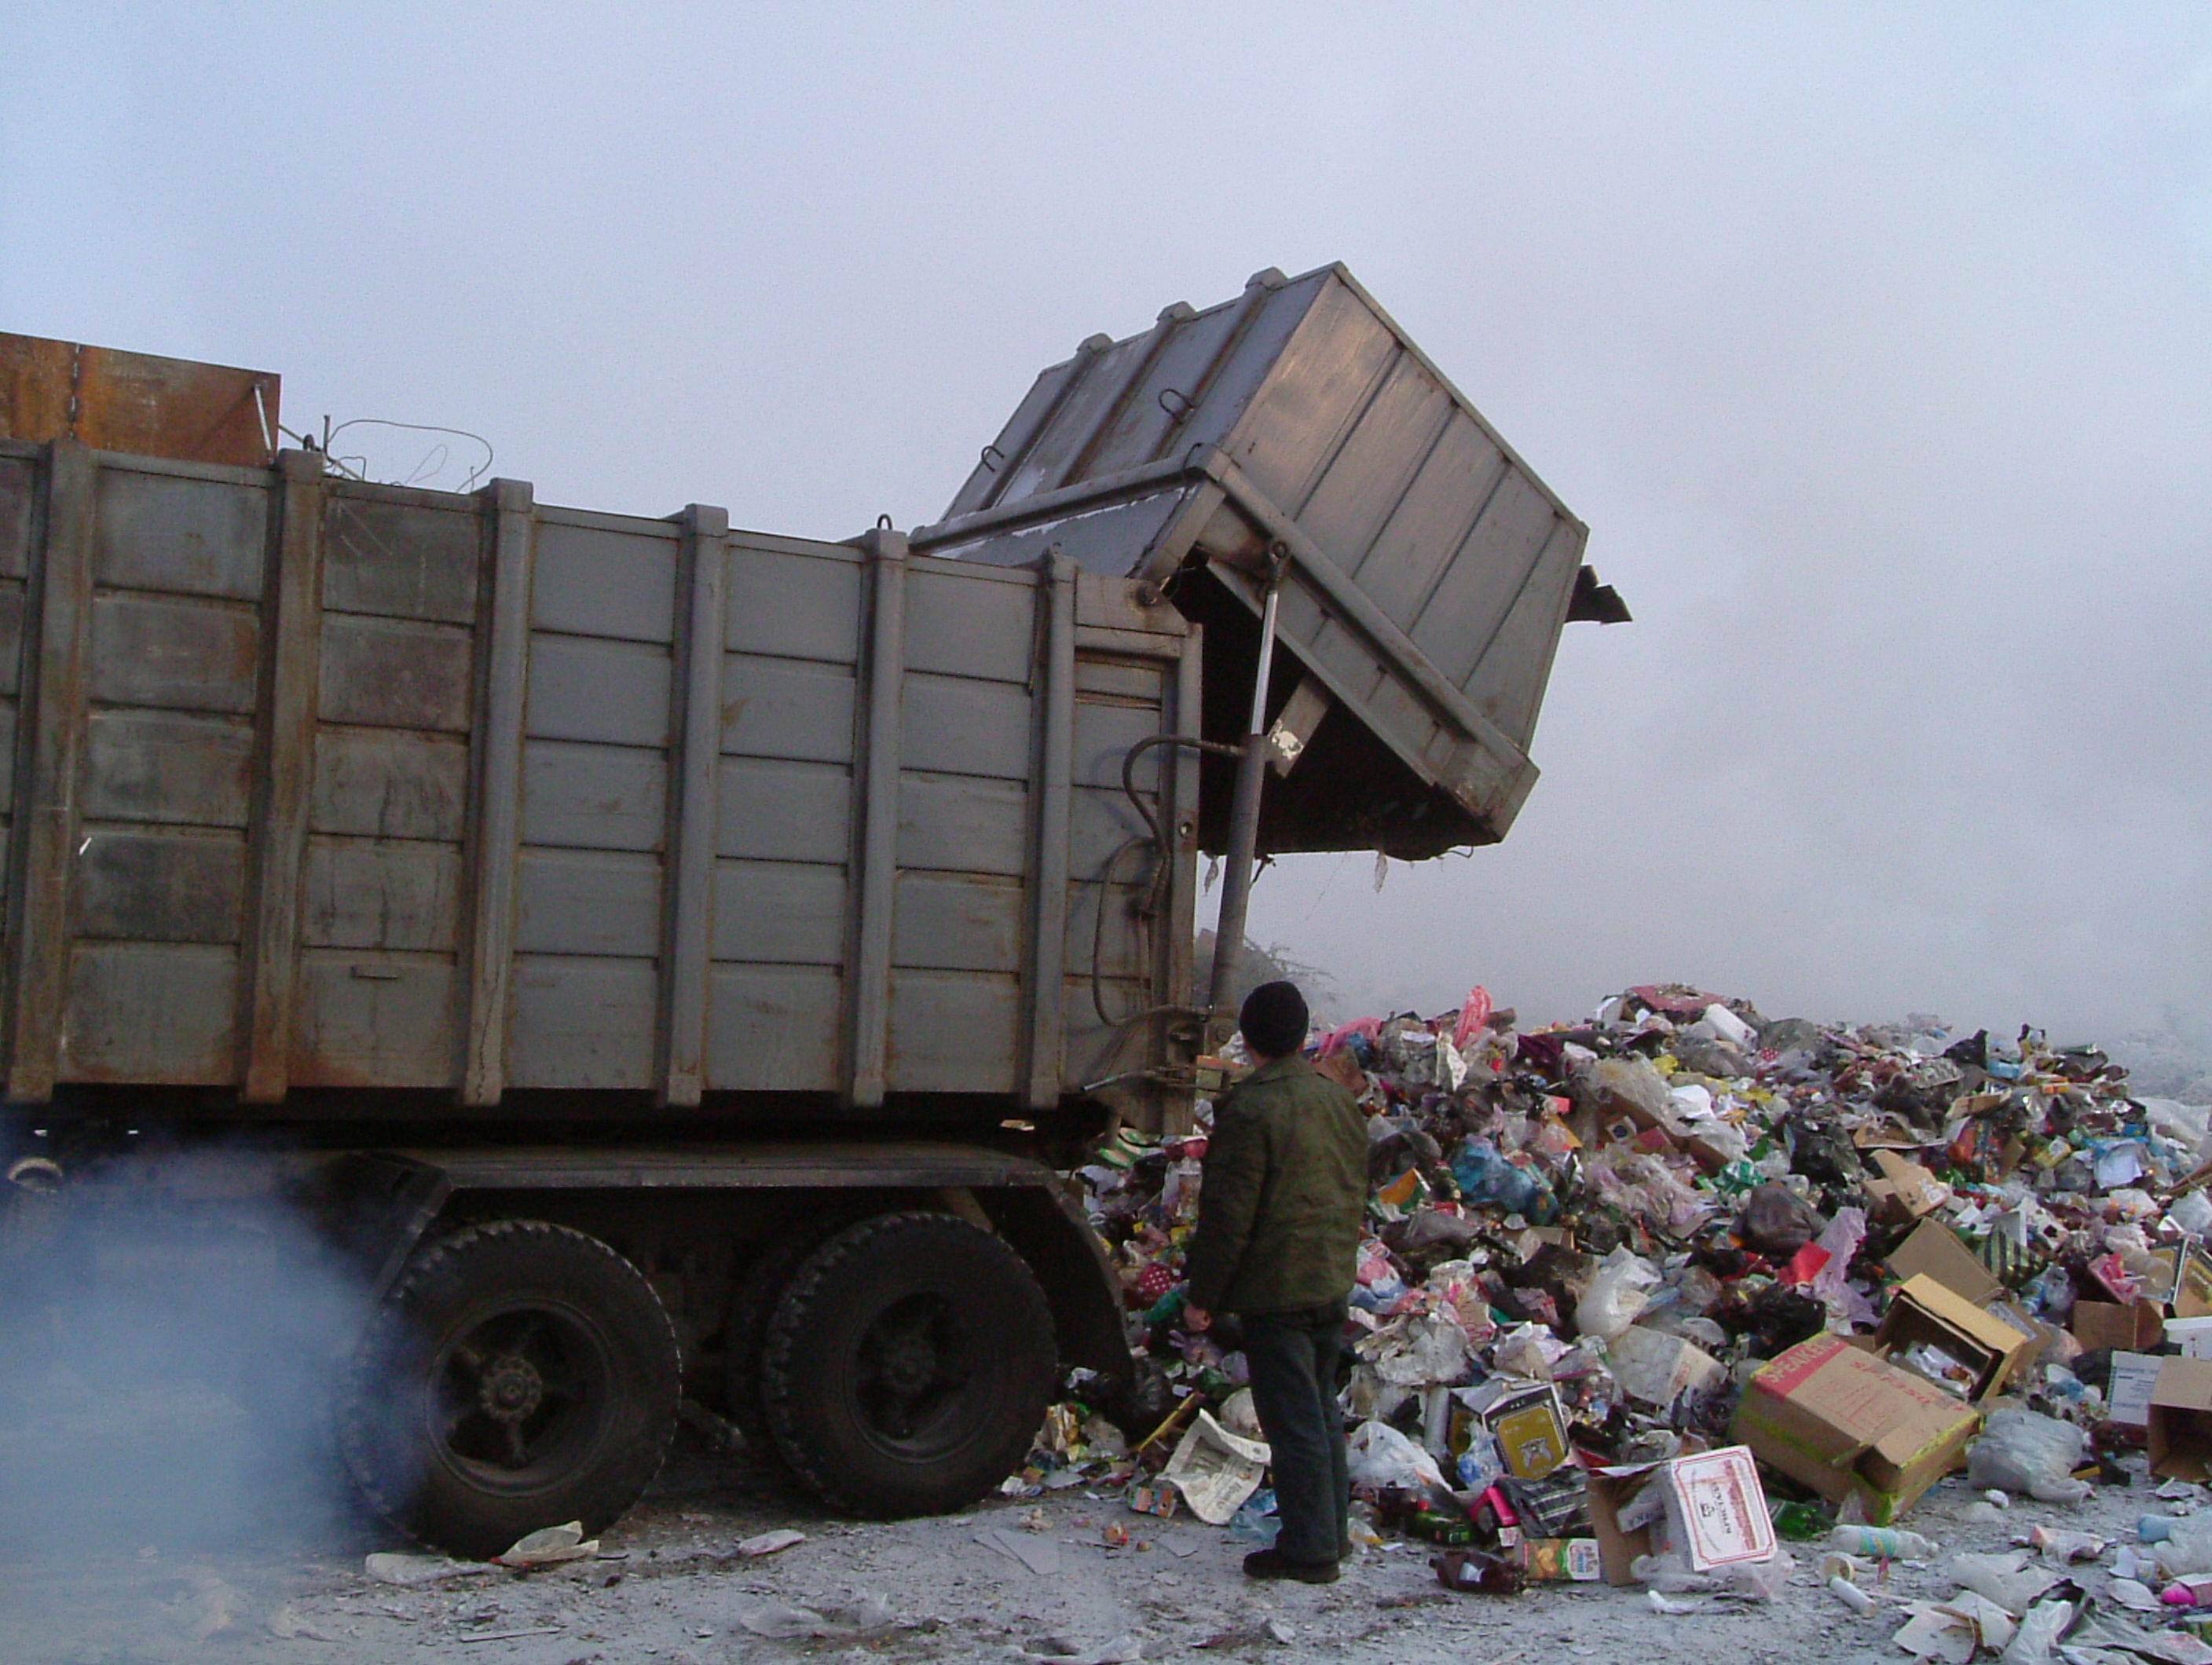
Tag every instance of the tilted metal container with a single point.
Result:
(313, 786)
(1426, 570)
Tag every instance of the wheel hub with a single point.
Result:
(512, 1389)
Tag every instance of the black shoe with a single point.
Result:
(1274, 1563)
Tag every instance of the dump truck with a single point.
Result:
(661, 960)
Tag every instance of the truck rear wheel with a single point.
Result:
(518, 1376)
(760, 1291)
(908, 1366)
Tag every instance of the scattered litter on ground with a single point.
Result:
(1837, 1263)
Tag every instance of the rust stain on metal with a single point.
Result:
(137, 402)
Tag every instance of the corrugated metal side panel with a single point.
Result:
(385, 875)
(595, 802)
(157, 879)
(786, 826)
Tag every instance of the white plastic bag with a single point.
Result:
(2022, 1450)
(1616, 1296)
(2037, 1639)
(1381, 1456)
(2008, 1580)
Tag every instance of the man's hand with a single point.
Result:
(1197, 1318)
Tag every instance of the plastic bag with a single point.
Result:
(2037, 1639)
(1616, 1296)
(1776, 1221)
(1381, 1456)
(2022, 1451)
(2186, 1548)
(2008, 1580)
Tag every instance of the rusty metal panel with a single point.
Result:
(772, 811)
(181, 534)
(40, 857)
(377, 783)
(141, 1013)
(779, 913)
(19, 485)
(143, 886)
(596, 577)
(582, 1022)
(772, 1028)
(167, 766)
(613, 693)
(381, 893)
(955, 1032)
(400, 559)
(960, 824)
(958, 922)
(793, 605)
(593, 798)
(588, 901)
(174, 653)
(137, 402)
(394, 673)
(788, 709)
(374, 1020)
(961, 725)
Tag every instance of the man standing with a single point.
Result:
(1280, 1214)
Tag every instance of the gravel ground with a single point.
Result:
(144, 1577)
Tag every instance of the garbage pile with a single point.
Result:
(1645, 1298)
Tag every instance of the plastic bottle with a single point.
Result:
(1883, 1543)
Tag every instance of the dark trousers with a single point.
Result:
(1292, 1356)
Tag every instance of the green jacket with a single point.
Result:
(1283, 1201)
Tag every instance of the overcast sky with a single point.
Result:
(1872, 342)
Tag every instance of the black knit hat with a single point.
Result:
(1274, 1019)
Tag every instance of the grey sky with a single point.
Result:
(1872, 342)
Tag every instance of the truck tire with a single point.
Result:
(519, 1375)
(759, 1293)
(908, 1366)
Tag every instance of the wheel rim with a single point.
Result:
(520, 1398)
(913, 1380)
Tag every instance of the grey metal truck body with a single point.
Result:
(754, 911)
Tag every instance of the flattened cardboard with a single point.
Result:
(1934, 1251)
(2136, 1327)
(1923, 1310)
(1915, 1192)
(1838, 1419)
(1611, 1492)
(2180, 1424)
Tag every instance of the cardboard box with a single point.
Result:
(1523, 1418)
(2127, 1389)
(2191, 1294)
(2193, 1335)
(1709, 1506)
(1843, 1422)
(1906, 1191)
(1658, 1369)
(1925, 1318)
(2179, 1422)
(1934, 1251)
(2136, 1327)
